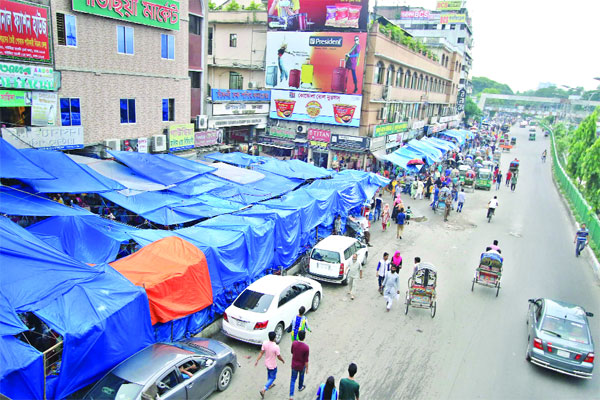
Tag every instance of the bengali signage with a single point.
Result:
(319, 138)
(157, 13)
(240, 108)
(460, 100)
(15, 98)
(24, 32)
(448, 5)
(55, 137)
(347, 142)
(23, 76)
(319, 62)
(43, 108)
(393, 140)
(259, 121)
(282, 132)
(415, 14)
(453, 18)
(240, 95)
(208, 138)
(181, 137)
(377, 143)
(318, 15)
(387, 129)
(320, 108)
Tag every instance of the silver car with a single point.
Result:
(559, 337)
(187, 369)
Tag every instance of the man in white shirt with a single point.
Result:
(364, 223)
(354, 269)
(492, 206)
(461, 200)
(382, 269)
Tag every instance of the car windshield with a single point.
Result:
(325, 255)
(253, 301)
(113, 387)
(566, 329)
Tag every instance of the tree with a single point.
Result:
(232, 6)
(481, 83)
(254, 6)
(212, 6)
(591, 175)
(579, 143)
(471, 110)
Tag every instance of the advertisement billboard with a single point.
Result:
(208, 138)
(415, 14)
(24, 32)
(448, 5)
(159, 13)
(453, 18)
(22, 76)
(318, 15)
(388, 129)
(181, 137)
(319, 138)
(320, 108)
(461, 100)
(43, 108)
(240, 108)
(321, 61)
(240, 95)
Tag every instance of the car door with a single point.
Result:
(286, 307)
(203, 380)
(171, 386)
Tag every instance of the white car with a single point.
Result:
(330, 257)
(270, 304)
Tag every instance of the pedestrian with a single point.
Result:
(396, 261)
(436, 195)
(417, 262)
(300, 352)
(420, 189)
(385, 216)
(299, 324)
(349, 388)
(448, 203)
(513, 182)
(582, 238)
(391, 287)
(364, 224)
(508, 177)
(413, 189)
(400, 218)
(461, 200)
(327, 390)
(382, 268)
(498, 180)
(354, 269)
(378, 207)
(337, 225)
(270, 350)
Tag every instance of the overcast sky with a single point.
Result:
(525, 42)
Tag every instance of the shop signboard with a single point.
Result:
(43, 108)
(181, 137)
(415, 14)
(448, 5)
(158, 13)
(15, 98)
(240, 108)
(319, 108)
(386, 129)
(259, 121)
(377, 143)
(218, 95)
(391, 141)
(23, 76)
(282, 132)
(319, 138)
(25, 32)
(208, 138)
(318, 62)
(460, 100)
(453, 18)
(318, 15)
(140, 145)
(348, 142)
(50, 137)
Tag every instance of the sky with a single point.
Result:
(525, 42)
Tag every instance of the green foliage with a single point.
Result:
(579, 143)
(471, 110)
(482, 83)
(398, 35)
(212, 6)
(232, 6)
(591, 175)
(253, 6)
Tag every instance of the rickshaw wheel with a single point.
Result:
(473, 284)
(433, 308)
(407, 305)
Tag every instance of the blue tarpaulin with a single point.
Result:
(431, 152)
(292, 169)
(17, 202)
(101, 316)
(13, 164)
(443, 145)
(235, 158)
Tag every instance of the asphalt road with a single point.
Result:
(474, 348)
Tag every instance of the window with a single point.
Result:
(195, 78)
(124, 39)
(127, 111)
(168, 382)
(399, 77)
(462, 27)
(236, 81)
(379, 73)
(167, 46)
(195, 25)
(66, 28)
(210, 41)
(452, 26)
(254, 301)
(168, 109)
(389, 80)
(461, 40)
(70, 112)
(407, 80)
(233, 40)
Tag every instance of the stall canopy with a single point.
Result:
(443, 145)
(432, 154)
(235, 158)
(18, 202)
(293, 169)
(175, 275)
(13, 164)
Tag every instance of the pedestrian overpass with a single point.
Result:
(483, 97)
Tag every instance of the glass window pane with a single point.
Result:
(124, 118)
(132, 111)
(65, 112)
(129, 40)
(165, 109)
(75, 112)
(163, 46)
(171, 47)
(171, 109)
(71, 30)
(121, 39)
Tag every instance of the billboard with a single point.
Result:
(320, 62)
(453, 18)
(448, 5)
(461, 100)
(181, 137)
(159, 13)
(320, 108)
(415, 14)
(24, 32)
(50, 137)
(318, 15)
(21, 76)
(388, 129)
(43, 108)
(15, 98)
(240, 95)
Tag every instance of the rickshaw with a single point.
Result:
(421, 288)
(497, 156)
(484, 179)
(489, 271)
(470, 180)
(441, 204)
(462, 172)
(532, 136)
(514, 167)
(488, 165)
(513, 141)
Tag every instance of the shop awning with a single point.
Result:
(380, 154)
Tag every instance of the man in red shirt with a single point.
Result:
(299, 362)
(508, 176)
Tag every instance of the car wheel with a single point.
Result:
(316, 301)
(224, 378)
(279, 332)
(345, 282)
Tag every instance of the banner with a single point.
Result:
(56, 138)
(279, 131)
(448, 5)
(15, 98)
(348, 142)
(240, 108)
(208, 138)
(388, 129)
(43, 108)
(319, 108)
(453, 18)
(318, 15)
(140, 145)
(461, 100)
(259, 121)
(181, 137)
(21, 76)
(240, 95)
(415, 14)
(159, 13)
(321, 61)
(319, 137)
(24, 32)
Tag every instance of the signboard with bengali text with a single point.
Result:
(388, 129)
(208, 138)
(415, 14)
(157, 13)
(15, 98)
(453, 18)
(218, 95)
(240, 108)
(25, 76)
(448, 5)
(181, 137)
(282, 132)
(25, 32)
(50, 137)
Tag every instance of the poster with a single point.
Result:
(453, 18)
(157, 13)
(181, 137)
(208, 138)
(50, 137)
(43, 108)
(22, 76)
(15, 98)
(318, 15)
(140, 145)
(320, 108)
(321, 62)
(449, 5)
(24, 32)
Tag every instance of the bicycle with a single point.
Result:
(491, 212)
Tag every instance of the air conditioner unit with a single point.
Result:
(159, 143)
(201, 122)
(112, 144)
(300, 128)
(252, 85)
(386, 92)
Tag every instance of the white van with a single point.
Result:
(330, 257)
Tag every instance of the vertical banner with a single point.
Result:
(43, 108)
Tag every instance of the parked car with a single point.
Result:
(270, 304)
(559, 337)
(330, 257)
(191, 368)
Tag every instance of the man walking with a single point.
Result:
(513, 182)
(508, 177)
(400, 218)
(349, 388)
(498, 180)
(582, 238)
(378, 206)
(354, 269)
(391, 287)
(270, 350)
(300, 352)
(461, 200)
(382, 269)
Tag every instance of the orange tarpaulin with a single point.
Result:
(175, 275)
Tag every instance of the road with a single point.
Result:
(474, 348)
